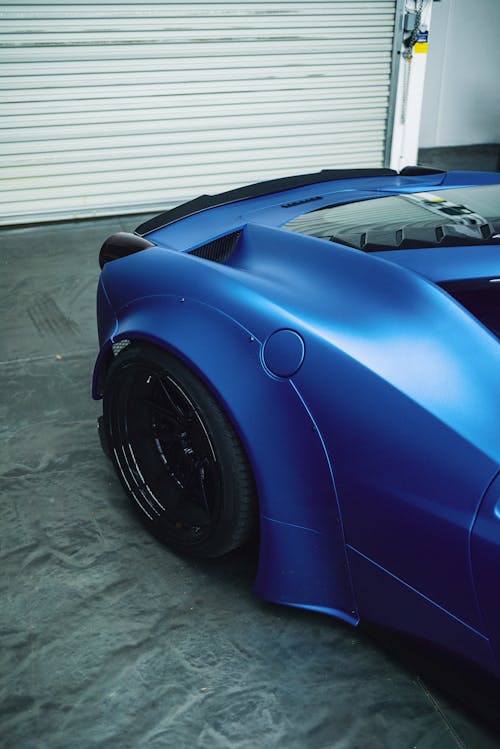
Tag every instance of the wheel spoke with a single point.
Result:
(191, 515)
(198, 478)
(162, 410)
(173, 409)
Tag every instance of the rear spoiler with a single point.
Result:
(257, 190)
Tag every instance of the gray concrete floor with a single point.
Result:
(109, 640)
(480, 157)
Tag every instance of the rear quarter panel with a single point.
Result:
(302, 554)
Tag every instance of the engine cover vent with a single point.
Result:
(220, 250)
(301, 202)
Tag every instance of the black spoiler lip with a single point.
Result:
(257, 190)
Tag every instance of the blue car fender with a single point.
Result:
(302, 558)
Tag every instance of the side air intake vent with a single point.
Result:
(481, 296)
(220, 250)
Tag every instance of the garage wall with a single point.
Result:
(121, 107)
(462, 86)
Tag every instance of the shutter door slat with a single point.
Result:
(122, 107)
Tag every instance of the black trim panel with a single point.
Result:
(257, 190)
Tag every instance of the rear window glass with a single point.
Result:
(465, 215)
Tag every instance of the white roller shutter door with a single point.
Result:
(123, 107)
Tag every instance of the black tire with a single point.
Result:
(177, 454)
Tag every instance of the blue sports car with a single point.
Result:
(316, 359)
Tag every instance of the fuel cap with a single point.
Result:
(283, 353)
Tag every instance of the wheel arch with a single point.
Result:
(302, 557)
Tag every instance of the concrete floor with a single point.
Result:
(481, 157)
(108, 640)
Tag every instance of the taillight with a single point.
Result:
(120, 245)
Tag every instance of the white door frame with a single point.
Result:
(408, 76)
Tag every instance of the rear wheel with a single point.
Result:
(177, 454)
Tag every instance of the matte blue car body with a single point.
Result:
(367, 399)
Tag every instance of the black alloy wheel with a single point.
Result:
(177, 454)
